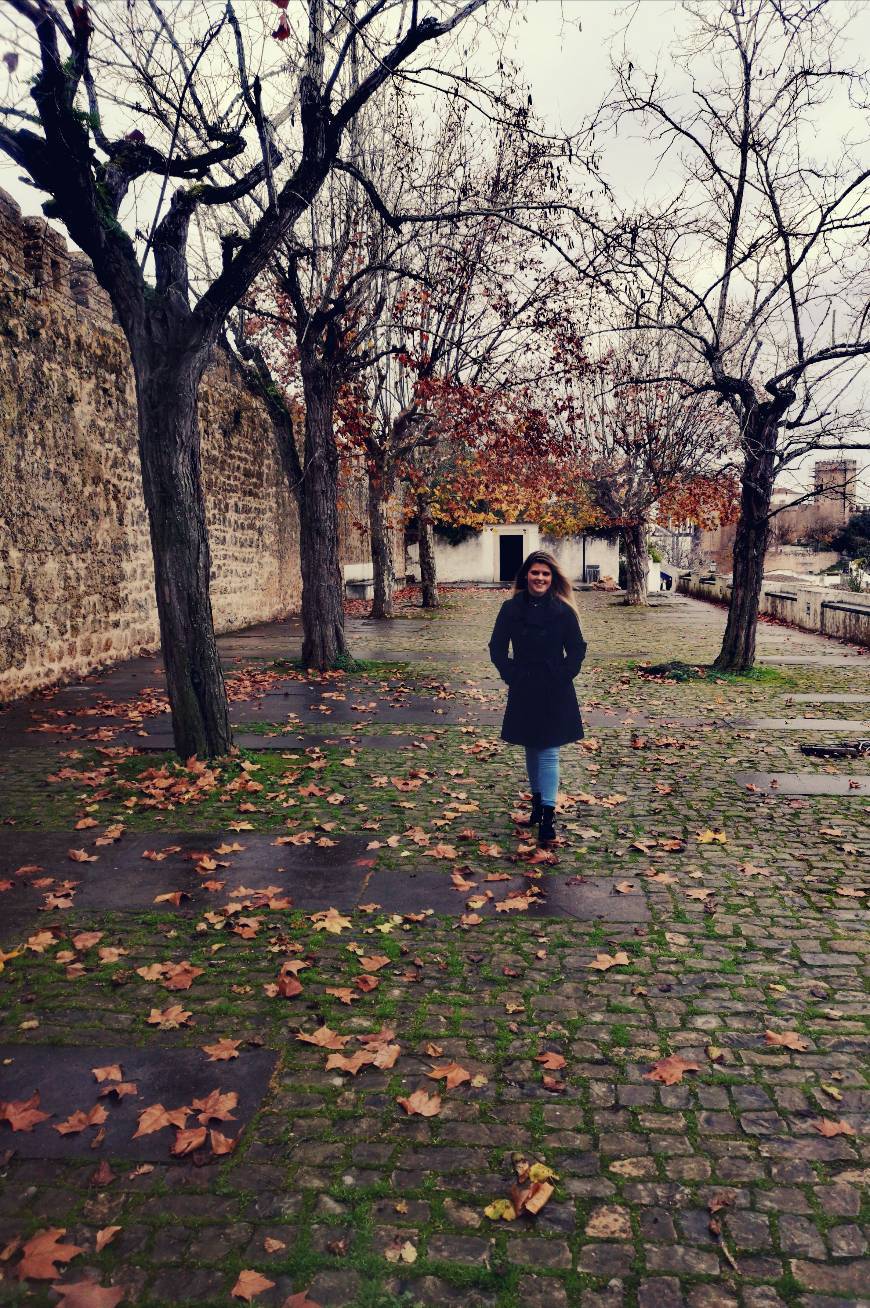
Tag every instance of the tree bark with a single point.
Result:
(169, 450)
(750, 544)
(636, 563)
(323, 640)
(428, 572)
(381, 537)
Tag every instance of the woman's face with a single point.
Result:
(539, 579)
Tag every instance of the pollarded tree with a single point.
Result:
(645, 443)
(130, 101)
(755, 255)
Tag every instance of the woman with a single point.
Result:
(540, 623)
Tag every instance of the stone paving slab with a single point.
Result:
(561, 895)
(595, 899)
(806, 783)
(855, 725)
(821, 659)
(122, 880)
(63, 1074)
(828, 699)
(149, 742)
(311, 877)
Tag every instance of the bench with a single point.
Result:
(360, 588)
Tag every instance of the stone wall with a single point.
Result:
(76, 578)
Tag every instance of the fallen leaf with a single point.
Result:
(222, 1050)
(602, 962)
(708, 837)
(41, 941)
(531, 1199)
(422, 1103)
(220, 1143)
(249, 1285)
(451, 1073)
(79, 1120)
(344, 993)
(827, 1128)
(155, 1117)
(786, 1039)
(324, 1037)
(22, 1114)
(110, 954)
(373, 962)
(216, 1105)
(87, 939)
(180, 976)
(405, 1253)
(331, 920)
(349, 1063)
(187, 1140)
(106, 1236)
(42, 1251)
(120, 1089)
(500, 1210)
(169, 1018)
(552, 1061)
(88, 1294)
(670, 1070)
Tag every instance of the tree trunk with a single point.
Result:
(636, 563)
(750, 545)
(172, 487)
(381, 538)
(323, 641)
(428, 573)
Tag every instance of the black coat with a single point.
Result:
(548, 650)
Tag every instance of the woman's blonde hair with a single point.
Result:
(560, 584)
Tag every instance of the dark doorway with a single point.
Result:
(510, 556)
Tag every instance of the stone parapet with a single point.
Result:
(841, 614)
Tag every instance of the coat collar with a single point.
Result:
(535, 610)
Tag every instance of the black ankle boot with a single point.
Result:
(547, 829)
(535, 816)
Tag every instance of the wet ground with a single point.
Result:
(666, 1018)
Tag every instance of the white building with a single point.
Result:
(496, 553)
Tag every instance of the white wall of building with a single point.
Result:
(570, 554)
(478, 557)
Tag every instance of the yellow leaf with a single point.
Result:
(500, 1208)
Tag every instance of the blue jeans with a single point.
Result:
(542, 766)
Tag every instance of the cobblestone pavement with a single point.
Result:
(690, 1082)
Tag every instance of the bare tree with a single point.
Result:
(756, 256)
(122, 110)
(643, 442)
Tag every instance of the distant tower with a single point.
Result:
(836, 481)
